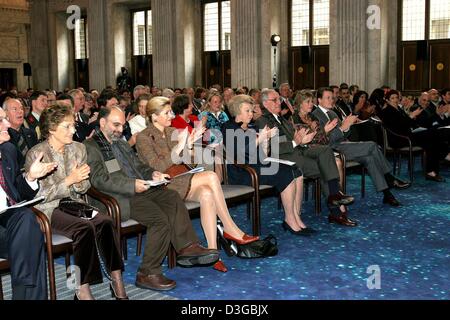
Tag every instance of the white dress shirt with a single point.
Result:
(3, 197)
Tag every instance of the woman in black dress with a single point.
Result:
(249, 147)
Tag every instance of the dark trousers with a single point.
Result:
(25, 253)
(369, 155)
(84, 233)
(167, 220)
(432, 142)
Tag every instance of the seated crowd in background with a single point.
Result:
(118, 140)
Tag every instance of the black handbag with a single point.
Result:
(76, 208)
(264, 248)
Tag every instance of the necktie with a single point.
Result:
(22, 145)
(4, 186)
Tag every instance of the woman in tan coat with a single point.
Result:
(156, 146)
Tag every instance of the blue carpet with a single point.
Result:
(410, 245)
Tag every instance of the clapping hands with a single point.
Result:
(39, 169)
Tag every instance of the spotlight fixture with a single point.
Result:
(275, 39)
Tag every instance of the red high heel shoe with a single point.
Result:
(220, 266)
(246, 239)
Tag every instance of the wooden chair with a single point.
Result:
(4, 268)
(410, 151)
(354, 166)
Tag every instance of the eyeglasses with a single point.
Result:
(68, 127)
(274, 100)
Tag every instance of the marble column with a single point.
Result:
(245, 43)
(39, 44)
(252, 57)
(98, 39)
(164, 43)
(359, 54)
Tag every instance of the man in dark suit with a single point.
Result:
(343, 106)
(366, 153)
(287, 104)
(39, 102)
(116, 170)
(82, 127)
(314, 161)
(23, 244)
(23, 138)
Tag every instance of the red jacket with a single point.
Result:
(180, 123)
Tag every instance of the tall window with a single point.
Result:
(217, 27)
(216, 42)
(81, 39)
(142, 33)
(424, 44)
(142, 46)
(310, 23)
(425, 20)
(310, 39)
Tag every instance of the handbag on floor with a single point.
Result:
(263, 248)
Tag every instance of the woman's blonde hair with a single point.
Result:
(155, 106)
(235, 104)
(207, 106)
(303, 96)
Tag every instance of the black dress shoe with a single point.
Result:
(342, 219)
(436, 178)
(390, 200)
(301, 232)
(401, 185)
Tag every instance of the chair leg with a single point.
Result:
(124, 248)
(256, 218)
(363, 183)
(306, 191)
(280, 204)
(399, 164)
(67, 259)
(411, 167)
(394, 164)
(172, 257)
(139, 245)
(318, 198)
(1, 289)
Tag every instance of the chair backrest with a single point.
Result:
(385, 140)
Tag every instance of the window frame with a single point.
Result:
(427, 24)
(311, 27)
(132, 12)
(204, 3)
(86, 40)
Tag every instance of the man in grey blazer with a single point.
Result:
(366, 153)
(314, 161)
(116, 170)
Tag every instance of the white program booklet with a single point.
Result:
(193, 171)
(23, 204)
(153, 183)
(286, 162)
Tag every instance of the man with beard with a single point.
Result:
(116, 170)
